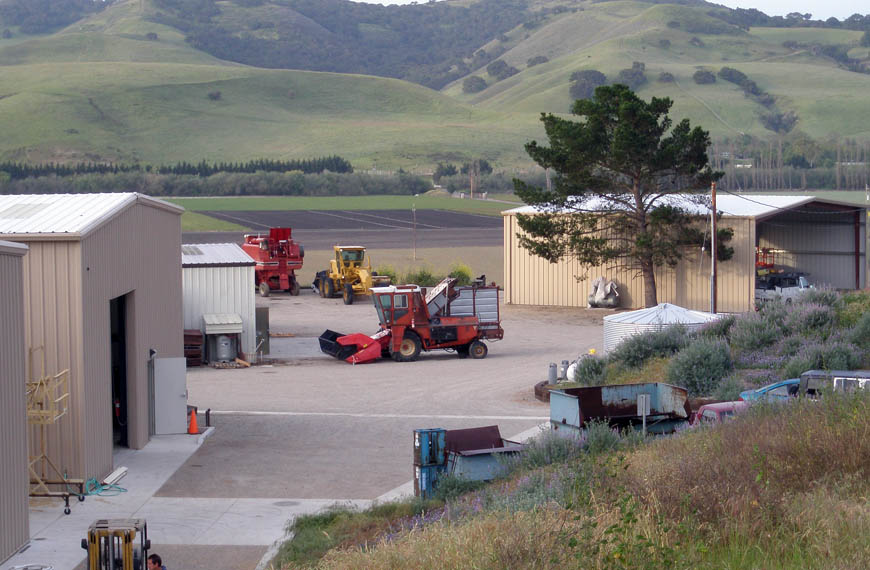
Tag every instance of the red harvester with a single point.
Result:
(448, 317)
(277, 257)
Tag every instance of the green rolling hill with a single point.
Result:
(118, 86)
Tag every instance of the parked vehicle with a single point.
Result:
(349, 274)
(447, 317)
(277, 258)
(777, 391)
(814, 382)
(718, 412)
(785, 286)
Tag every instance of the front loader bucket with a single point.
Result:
(365, 348)
(329, 345)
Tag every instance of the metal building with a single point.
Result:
(102, 298)
(825, 238)
(14, 531)
(218, 278)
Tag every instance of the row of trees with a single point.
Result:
(21, 170)
(223, 184)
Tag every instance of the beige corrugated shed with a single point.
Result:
(825, 238)
(102, 287)
(14, 529)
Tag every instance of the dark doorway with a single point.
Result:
(118, 336)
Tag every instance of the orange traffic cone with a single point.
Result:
(192, 428)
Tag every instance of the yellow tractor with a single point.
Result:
(349, 274)
(117, 544)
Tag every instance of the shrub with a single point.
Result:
(653, 370)
(473, 84)
(590, 370)
(753, 332)
(422, 277)
(720, 328)
(214, 95)
(544, 449)
(636, 349)
(537, 60)
(450, 487)
(696, 41)
(729, 389)
(600, 437)
(666, 77)
(388, 270)
(859, 335)
(664, 43)
(732, 75)
(702, 76)
(633, 77)
(151, 36)
(700, 366)
(810, 319)
(461, 272)
(826, 297)
(835, 354)
(852, 307)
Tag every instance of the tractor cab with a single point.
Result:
(348, 257)
(394, 304)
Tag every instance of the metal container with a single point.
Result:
(551, 373)
(429, 446)
(571, 408)
(619, 326)
(425, 479)
(225, 350)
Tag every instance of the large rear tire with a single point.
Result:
(294, 288)
(328, 288)
(477, 349)
(348, 294)
(410, 348)
(264, 289)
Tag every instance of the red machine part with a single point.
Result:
(277, 258)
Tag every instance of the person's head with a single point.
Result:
(154, 562)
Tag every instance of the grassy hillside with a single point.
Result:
(118, 86)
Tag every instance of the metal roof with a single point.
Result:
(662, 314)
(214, 255)
(71, 216)
(734, 205)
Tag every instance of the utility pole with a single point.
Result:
(713, 251)
(414, 212)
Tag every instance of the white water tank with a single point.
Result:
(225, 348)
(619, 326)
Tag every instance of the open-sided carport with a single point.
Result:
(825, 238)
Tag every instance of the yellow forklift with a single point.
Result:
(117, 544)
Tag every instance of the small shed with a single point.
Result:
(619, 326)
(102, 299)
(13, 425)
(218, 279)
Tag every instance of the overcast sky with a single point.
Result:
(821, 10)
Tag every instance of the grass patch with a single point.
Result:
(193, 222)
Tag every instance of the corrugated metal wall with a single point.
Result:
(53, 330)
(221, 290)
(530, 280)
(14, 529)
(137, 253)
(822, 245)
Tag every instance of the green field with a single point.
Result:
(99, 90)
(253, 203)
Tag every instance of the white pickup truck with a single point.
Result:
(785, 286)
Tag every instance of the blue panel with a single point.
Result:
(429, 446)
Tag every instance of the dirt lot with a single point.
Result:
(315, 427)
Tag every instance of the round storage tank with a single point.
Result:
(622, 325)
(225, 350)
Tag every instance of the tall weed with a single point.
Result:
(635, 350)
(753, 332)
(700, 366)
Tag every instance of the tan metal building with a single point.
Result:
(102, 289)
(14, 531)
(824, 238)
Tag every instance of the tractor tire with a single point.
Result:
(409, 351)
(477, 349)
(328, 288)
(264, 289)
(348, 294)
(294, 288)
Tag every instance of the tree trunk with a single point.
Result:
(650, 295)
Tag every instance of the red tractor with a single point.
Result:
(277, 257)
(448, 317)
